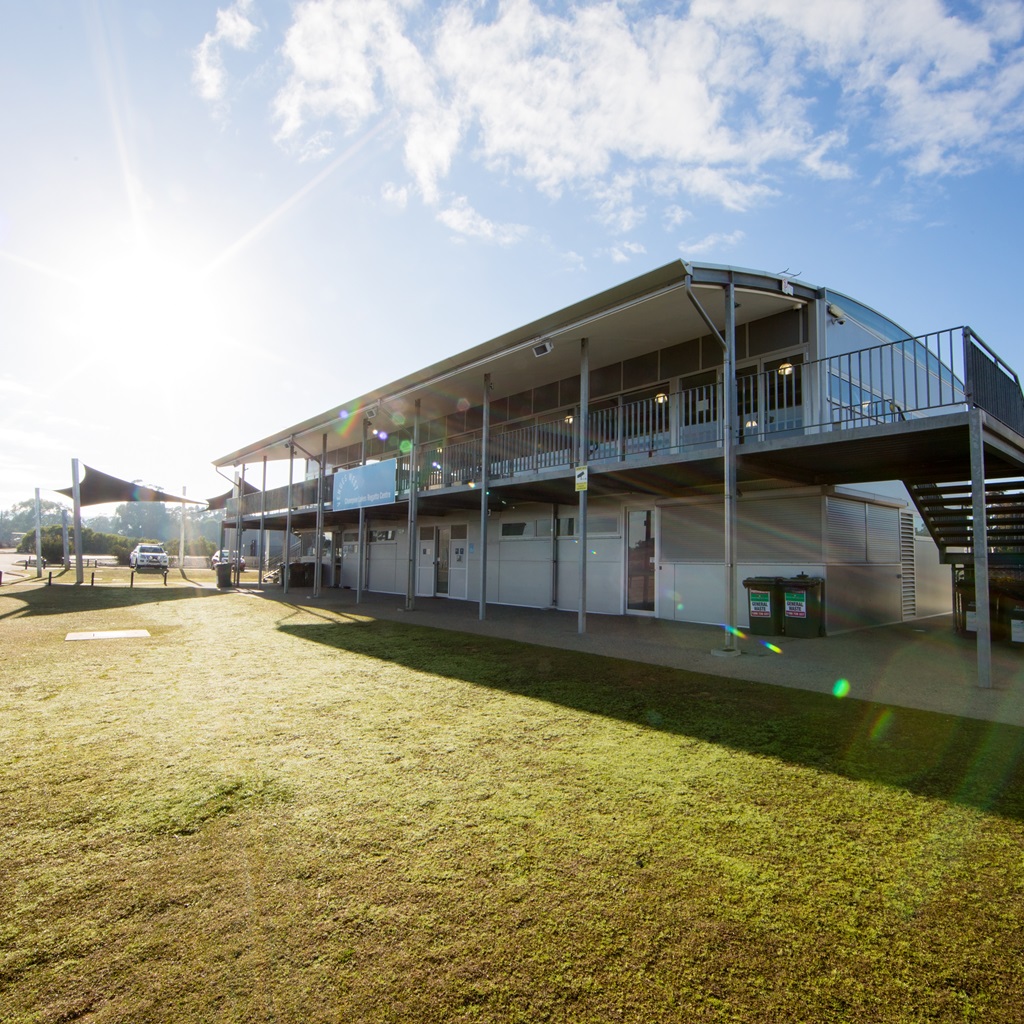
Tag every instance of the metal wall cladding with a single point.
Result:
(858, 532)
(846, 531)
(768, 530)
(692, 533)
(780, 529)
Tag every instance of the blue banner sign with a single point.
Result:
(365, 486)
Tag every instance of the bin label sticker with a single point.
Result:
(796, 604)
(971, 625)
(760, 604)
(1017, 631)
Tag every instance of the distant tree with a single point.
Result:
(193, 546)
(22, 515)
(93, 543)
(144, 519)
(101, 524)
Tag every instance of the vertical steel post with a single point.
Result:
(64, 538)
(263, 522)
(361, 540)
(236, 569)
(181, 534)
(412, 527)
(286, 562)
(729, 458)
(979, 534)
(485, 477)
(319, 550)
(581, 462)
(39, 537)
(76, 491)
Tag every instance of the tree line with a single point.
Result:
(131, 523)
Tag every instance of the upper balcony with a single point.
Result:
(884, 405)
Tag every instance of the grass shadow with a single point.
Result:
(59, 600)
(961, 760)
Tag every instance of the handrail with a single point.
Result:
(882, 384)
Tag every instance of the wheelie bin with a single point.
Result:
(764, 604)
(803, 607)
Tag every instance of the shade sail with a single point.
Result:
(221, 501)
(97, 488)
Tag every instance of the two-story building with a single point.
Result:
(645, 451)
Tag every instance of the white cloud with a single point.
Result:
(712, 243)
(234, 29)
(625, 251)
(464, 220)
(395, 195)
(673, 216)
(717, 100)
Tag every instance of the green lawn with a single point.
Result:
(267, 812)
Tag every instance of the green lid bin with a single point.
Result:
(803, 605)
(764, 604)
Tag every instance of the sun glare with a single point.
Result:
(142, 306)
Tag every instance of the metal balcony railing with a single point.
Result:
(883, 384)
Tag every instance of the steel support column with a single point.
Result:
(979, 533)
(286, 554)
(581, 462)
(412, 527)
(485, 475)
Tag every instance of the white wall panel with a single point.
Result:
(862, 595)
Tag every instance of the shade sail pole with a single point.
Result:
(181, 537)
(39, 537)
(76, 499)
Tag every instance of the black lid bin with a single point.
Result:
(764, 604)
(802, 606)
(223, 575)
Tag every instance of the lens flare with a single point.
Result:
(405, 447)
(772, 647)
(462, 405)
(882, 725)
(736, 631)
(841, 688)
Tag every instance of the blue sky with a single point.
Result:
(219, 219)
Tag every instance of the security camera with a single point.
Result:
(542, 348)
(836, 313)
(371, 413)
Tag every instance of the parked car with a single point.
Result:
(226, 556)
(148, 556)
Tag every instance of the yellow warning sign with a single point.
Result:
(581, 478)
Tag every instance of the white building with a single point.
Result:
(654, 446)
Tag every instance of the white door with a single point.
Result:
(425, 561)
(458, 564)
(350, 559)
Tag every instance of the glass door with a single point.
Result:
(444, 547)
(640, 567)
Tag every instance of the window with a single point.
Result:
(513, 530)
(566, 526)
(602, 524)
